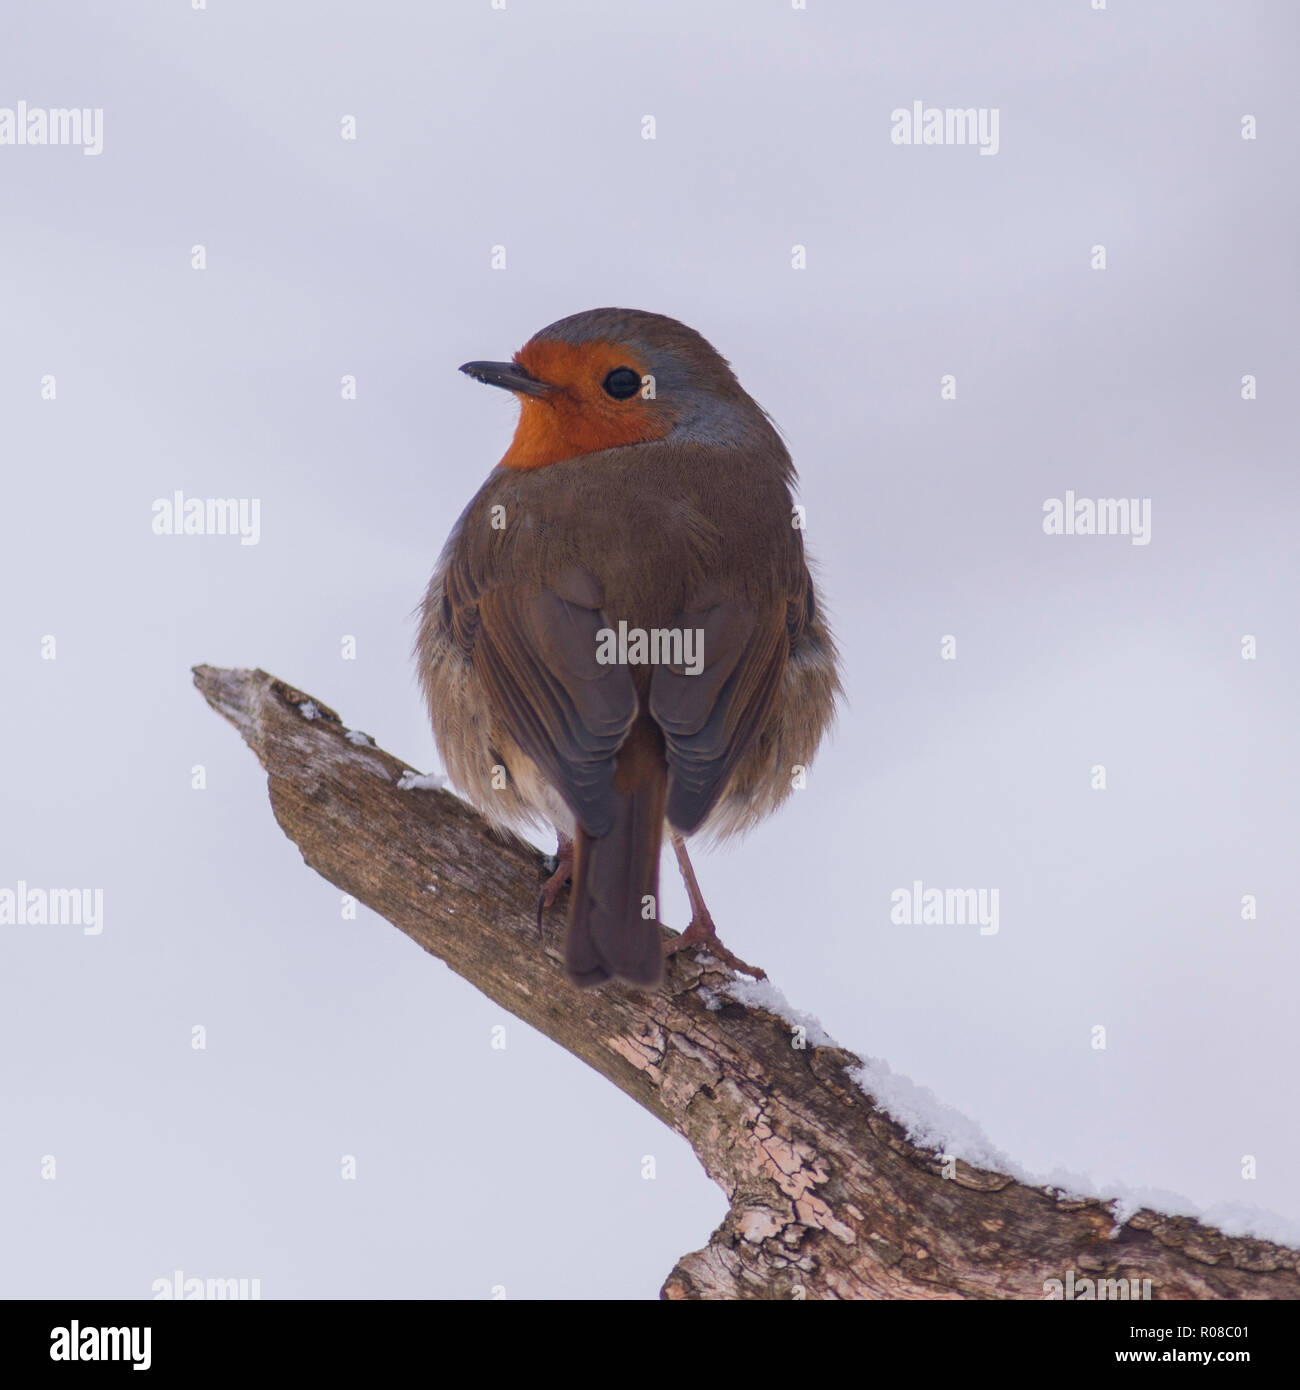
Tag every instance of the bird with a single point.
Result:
(621, 636)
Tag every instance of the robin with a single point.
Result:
(621, 634)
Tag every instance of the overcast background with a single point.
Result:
(522, 128)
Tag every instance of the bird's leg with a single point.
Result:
(701, 931)
(554, 886)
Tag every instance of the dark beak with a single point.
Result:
(508, 374)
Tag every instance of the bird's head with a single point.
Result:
(614, 377)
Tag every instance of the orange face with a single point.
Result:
(578, 414)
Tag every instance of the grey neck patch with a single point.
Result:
(703, 418)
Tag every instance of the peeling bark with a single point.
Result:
(828, 1198)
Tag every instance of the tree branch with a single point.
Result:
(828, 1197)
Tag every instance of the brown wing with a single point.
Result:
(709, 720)
(534, 649)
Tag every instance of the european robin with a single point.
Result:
(621, 634)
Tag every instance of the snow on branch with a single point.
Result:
(828, 1196)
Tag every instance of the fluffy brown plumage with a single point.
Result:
(666, 509)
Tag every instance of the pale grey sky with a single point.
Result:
(522, 128)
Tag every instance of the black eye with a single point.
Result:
(622, 383)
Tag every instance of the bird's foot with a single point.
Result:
(702, 932)
(561, 864)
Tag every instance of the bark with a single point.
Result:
(828, 1197)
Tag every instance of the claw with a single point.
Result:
(704, 933)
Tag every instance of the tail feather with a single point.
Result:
(613, 913)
